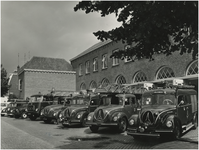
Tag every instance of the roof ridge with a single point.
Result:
(92, 48)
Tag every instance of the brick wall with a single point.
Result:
(35, 82)
(178, 63)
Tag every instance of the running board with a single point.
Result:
(187, 127)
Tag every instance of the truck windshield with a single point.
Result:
(158, 99)
(111, 101)
(78, 101)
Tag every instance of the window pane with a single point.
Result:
(165, 72)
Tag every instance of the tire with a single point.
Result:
(16, 116)
(94, 128)
(47, 121)
(33, 118)
(195, 121)
(24, 115)
(83, 124)
(176, 131)
(122, 125)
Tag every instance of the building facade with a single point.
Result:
(43, 75)
(94, 67)
(13, 92)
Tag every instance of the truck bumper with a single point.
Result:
(155, 133)
(101, 124)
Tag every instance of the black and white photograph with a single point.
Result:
(99, 74)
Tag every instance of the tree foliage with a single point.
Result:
(4, 82)
(149, 26)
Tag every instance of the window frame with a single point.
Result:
(95, 64)
(80, 69)
(115, 61)
(87, 67)
(105, 61)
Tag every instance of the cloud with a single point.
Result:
(47, 29)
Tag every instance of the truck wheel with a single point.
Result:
(33, 118)
(47, 121)
(83, 122)
(16, 116)
(195, 121)
(24, 115)
(94, 128)
(122, 125)
(176, 131)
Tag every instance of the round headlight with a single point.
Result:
(41, 113)
(54, 114)
(11, 111)
(169, 123)
(60, 115)
(131, 122)
(36, 109)
(89, 118)
(115, 118)
(78, 116)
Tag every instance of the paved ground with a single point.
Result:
(50, 135)
(188, 141)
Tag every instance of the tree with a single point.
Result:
(4, 82)
(149, 26)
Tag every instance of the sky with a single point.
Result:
(47, 29)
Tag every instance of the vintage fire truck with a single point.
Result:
(51, 113)
(36, 103)
(80, 106)
(167, 110)
(117, 104)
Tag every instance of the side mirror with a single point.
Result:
(181, 103)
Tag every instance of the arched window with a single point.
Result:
(120, 80)
(93, 85)
(192, 68)
(105, 82)
(83, 86)
(139, 77)
(165, 72)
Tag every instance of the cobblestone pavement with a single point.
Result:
(188, 141)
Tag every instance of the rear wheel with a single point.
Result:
(176, 131)
(195, 121)
(16, 116)
(122, 125)
(83, 122)
(94, 128)
(33, 118)
(47, 121)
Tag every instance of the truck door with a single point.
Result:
(130, 106)
(94, 103)
(182, 109)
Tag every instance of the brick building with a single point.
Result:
(42, 74)
(94, 66)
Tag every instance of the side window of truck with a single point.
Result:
(181, 100)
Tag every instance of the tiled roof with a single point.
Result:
(44, 63)
(92, 48)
